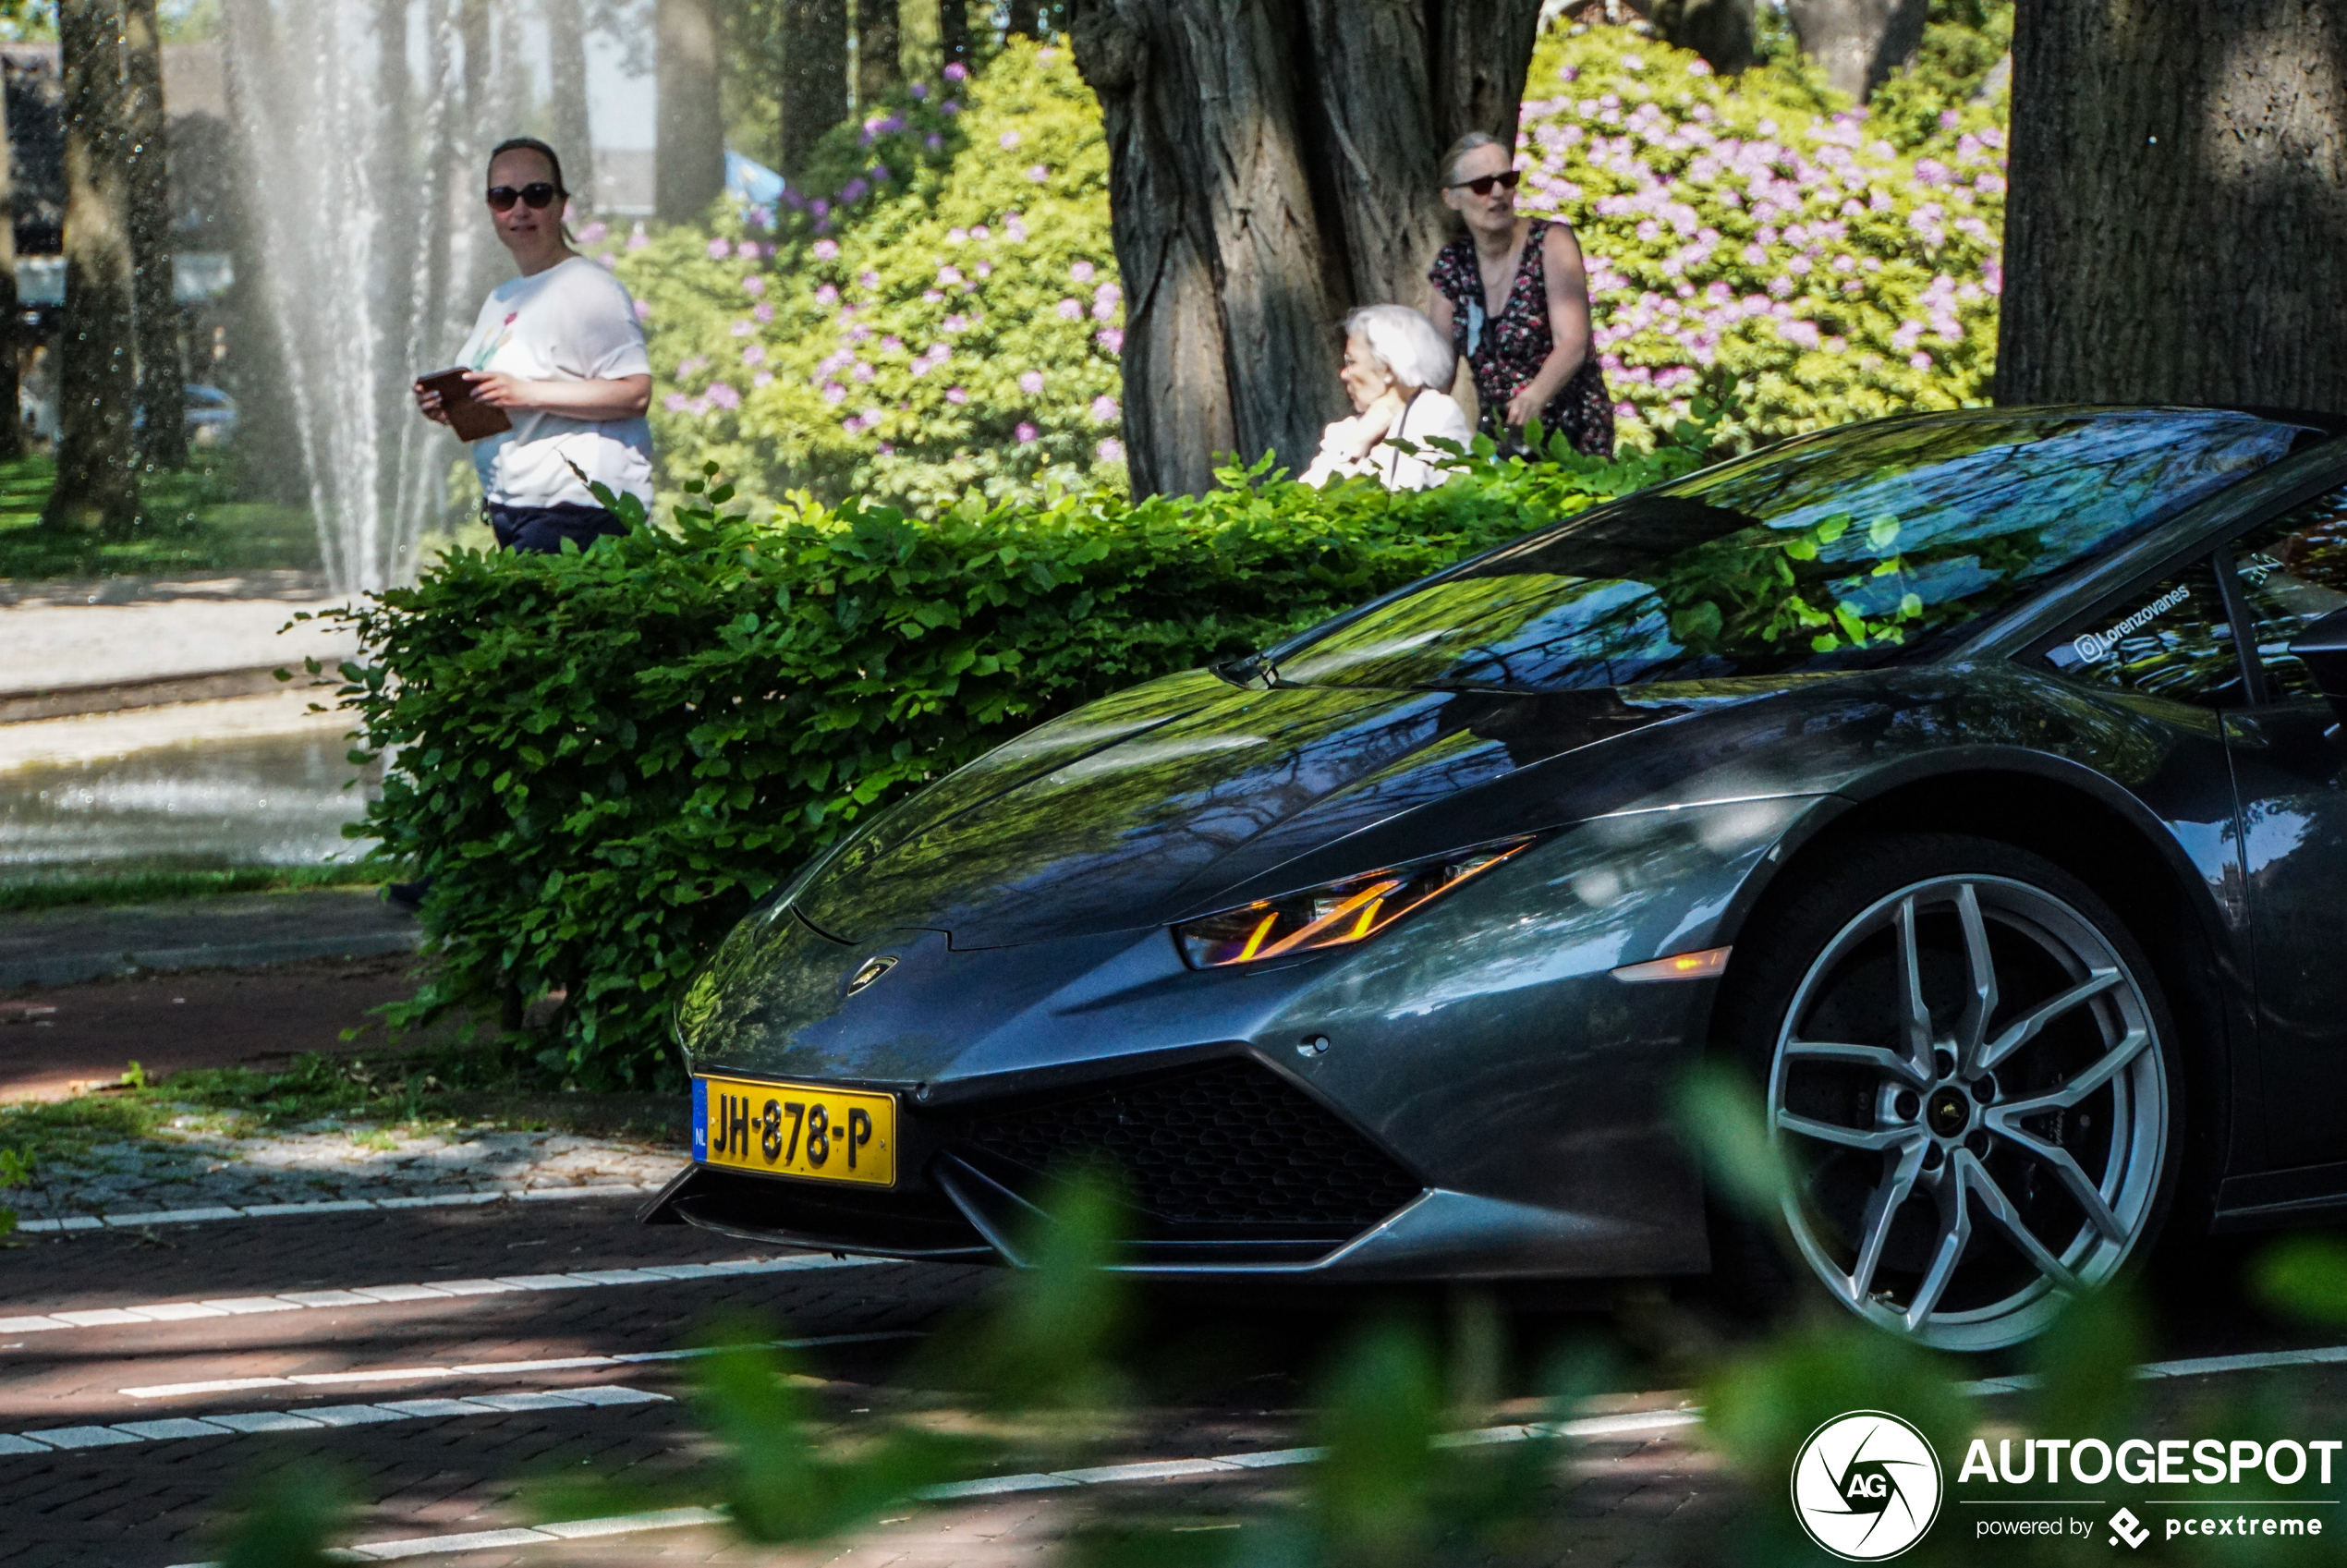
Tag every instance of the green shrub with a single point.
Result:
(603, 760)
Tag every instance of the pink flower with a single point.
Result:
(747, 249)
(981, 231)
(957, 394)
(1070, 310)
(594, 233)
(754, 355)
(1032, 383)
(1025, 433)
(868, 278)
(985, 268)
(1105, 410)
(1039, 173)
(826, 250)
(1008, 139)
(609, 262)
(1699, 68)
(765, 312)
(822, 211)
(949, 274)
(697, 406)
(863, 372)
(855, 190)
(834, 394)
(886, 450)
(638, 238)
(753, 284)
(920, 365)
(1104, 309)
(827, 296)
(643, 311)
(744, 328)
(763, 378)
(674, 402)
(719, 249)
(1111, 338)
(933, 141)
(954, 323)
(956, 71)
(932, 297)
(892, 344)
(1081, 272)
(724, 395)
(1110, 450)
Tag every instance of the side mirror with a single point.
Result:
(2322, 647)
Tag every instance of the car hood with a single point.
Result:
(1161, 801)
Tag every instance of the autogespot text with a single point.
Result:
(2183, 1463)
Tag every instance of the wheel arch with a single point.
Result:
(2107, 838)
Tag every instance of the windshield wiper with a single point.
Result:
(1254, 673)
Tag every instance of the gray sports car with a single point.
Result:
(1974, 778)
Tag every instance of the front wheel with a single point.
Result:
(1970, 1073)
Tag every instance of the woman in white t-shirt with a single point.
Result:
(1396, 370)
(559, 351)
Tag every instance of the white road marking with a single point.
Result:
(372, 1296)
(488, 1368)
(52, 1439)
(2188, 1367)
(145, 1218)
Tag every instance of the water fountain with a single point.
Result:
(361, 125)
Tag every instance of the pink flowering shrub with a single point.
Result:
(1730, 221)
(951, 328)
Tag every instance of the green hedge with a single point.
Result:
(603, 760)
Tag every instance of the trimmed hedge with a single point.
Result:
(603, 760)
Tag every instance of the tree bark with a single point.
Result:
(1720, 30)
(954, 30)
(2177, 225)
(97, 487)
(11, 415)
(1859, 42)
(814, 85)
(688, 166)
(1269, 166)
(163, 372)
(566, 75)
(878, 46)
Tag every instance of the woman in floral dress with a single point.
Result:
(1515, 302)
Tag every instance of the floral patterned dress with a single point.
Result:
(1506, 351)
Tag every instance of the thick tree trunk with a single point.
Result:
(879, 40)
(162, 372)
(814, 86)
(1720, 30)
(566, 75)
(688, 166)
(1859, 42)
(954, 30)
(11, 417)
(97, 484)
(2177, 227)
(1271, 167)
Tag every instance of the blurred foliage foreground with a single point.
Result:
(1418, 1460)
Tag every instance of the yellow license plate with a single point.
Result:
(831, 1134)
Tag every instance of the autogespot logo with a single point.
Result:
(1865, 1486)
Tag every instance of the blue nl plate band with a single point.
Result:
(700, 1119)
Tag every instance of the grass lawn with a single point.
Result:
(193, 526)
(150, 887)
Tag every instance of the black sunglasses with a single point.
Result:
(1482, 184)
(537, 194)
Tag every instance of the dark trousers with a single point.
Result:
(542, 529)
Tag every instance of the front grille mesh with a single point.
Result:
(1229, 1143)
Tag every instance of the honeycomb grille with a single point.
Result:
(1230, 1144)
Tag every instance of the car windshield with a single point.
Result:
(1839, 550)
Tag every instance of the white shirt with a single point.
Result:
(573, 321)
(1427, 415)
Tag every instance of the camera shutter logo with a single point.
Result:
(2089, 648)
(1865, 1486)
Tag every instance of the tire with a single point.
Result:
(1958, 1171)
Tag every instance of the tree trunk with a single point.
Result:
(1269, 166)
(1720, 30)
(879, 47)
(2177, 227)
(954, 30)
(1859, 42)
(814, 87)
(97, 484)
(11, 339)
(163, 372)
(688, 166)
(573, 137)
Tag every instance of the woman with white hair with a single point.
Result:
(1397, 370)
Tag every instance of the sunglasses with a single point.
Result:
(1482, 185)
(536, 195)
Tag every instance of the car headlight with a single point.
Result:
(1335, 915)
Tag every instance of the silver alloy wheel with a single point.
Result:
(1971, 1088)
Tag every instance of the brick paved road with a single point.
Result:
(151, 1504)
